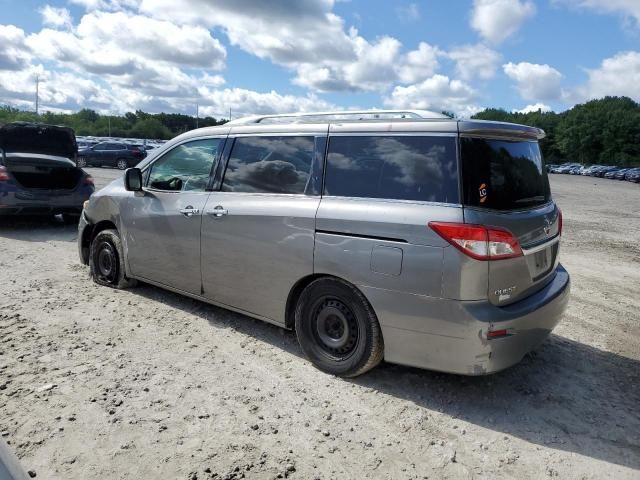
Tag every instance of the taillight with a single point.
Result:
(88, 180)
(4, 175)
(559, 221)
(478, 241)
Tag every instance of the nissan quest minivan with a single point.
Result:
(397, 235)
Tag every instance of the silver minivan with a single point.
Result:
(397, 235)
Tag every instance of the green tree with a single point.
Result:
(599, 131)
(150, 128)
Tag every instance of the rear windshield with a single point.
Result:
(503, 174)
(418, 168)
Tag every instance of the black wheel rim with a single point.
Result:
(107, 262)
(335, 327)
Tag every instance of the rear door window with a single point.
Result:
(418, 168)
(270, 164)
(503, 174)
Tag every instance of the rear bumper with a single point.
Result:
(451, 336)
(14, 201)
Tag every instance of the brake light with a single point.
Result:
(478, 241)
(4, 174)
(88, 180)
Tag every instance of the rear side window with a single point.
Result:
(278, 164)
(419, 168)
(503, 175)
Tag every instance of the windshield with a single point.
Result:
(503, 174)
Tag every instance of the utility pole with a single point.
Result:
(109, 119)
(37, 92)
(196, 115)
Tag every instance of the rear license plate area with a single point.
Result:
(543, 262)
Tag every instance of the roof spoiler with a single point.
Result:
(488, 128)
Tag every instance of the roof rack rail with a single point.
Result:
(345, 115)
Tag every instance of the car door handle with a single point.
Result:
(218, 211)
(189, 211)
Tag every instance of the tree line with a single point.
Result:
(600, 131)
(160, 126)
(604, 131)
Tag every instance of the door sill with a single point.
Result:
(209, 301)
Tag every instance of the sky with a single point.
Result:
(278, 56)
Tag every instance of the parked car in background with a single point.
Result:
(566, 168)
(549, 167)
(602, 171)
(111, 154)
(633, 175)
(590, 169)
(38, 172)
(332, 225)
(619, 174)
(611, 174)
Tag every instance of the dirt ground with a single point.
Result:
(142, 384)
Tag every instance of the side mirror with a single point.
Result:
(133, 180)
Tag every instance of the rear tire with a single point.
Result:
(81, 162)
(122, 164)
(106, 261)
(337, 328)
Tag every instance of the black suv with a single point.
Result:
(111, 154)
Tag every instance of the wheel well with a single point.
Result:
(296, 291)
(90, 233)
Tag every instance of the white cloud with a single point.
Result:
(247, 102)
(110, 42)
(377, 66)
(617, 75)
(56, 17)
(475, 61)
(108, 5)
(419, 64)
(629, 9)
(408, 13)
(307, 38)
(436, 93)
(534, 108)
(534, 81)
(496, 20)
(58, 90)
(117, 61)
(373, 68)
(286, 32)
(14, 53)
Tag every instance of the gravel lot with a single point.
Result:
(140, 384)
